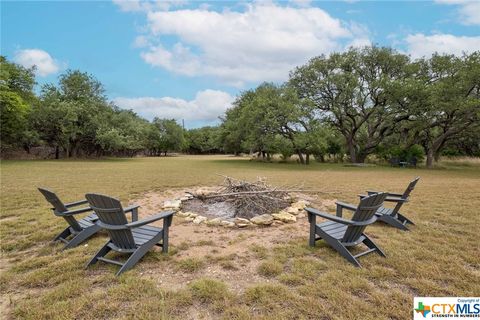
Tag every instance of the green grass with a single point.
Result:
(270, 268)
(190, 264)
(439, 257)
(209, 290)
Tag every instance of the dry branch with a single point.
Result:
(250, 198)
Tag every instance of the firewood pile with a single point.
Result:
(249, 199)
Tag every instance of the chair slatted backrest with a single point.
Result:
(60, 208)
(406, 194)
(110, 211)
(365, 211)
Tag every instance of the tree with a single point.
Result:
(260, 115)
(204, 140)
(123, 133)
(171, 135)
(353, 92)
(16, 99)
(70, 114)
(448, 103)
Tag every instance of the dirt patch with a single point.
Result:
(232, 245)
(226, 254)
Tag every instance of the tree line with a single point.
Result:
(369, 102)
(363, 102)
(74, 118)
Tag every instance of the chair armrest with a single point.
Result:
(346, 205)
(134, 210)
(131, 208)
(370, 192)
(151, 219)
(76, 203)
(395, 199)
(342, 205)
(329, 216)
(72, 212)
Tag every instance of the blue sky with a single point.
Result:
(189, 59)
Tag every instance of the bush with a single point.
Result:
(404, 154)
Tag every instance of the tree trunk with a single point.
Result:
(430, 158)
(300, 157)
(74, 150)
(361, 157)
(352, 151)
(57, 152)
(307, 159)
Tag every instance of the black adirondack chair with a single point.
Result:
(342, 233)
(394, 161)
(78, 230)
(392, 216)
(135, 238)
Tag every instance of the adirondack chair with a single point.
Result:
(135, 238)
(394, 161)
(341, 233)
(78, 230)
(393, 216)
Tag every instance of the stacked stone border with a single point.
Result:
(289, 215)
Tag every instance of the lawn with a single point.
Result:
(236, 274)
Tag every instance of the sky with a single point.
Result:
(190, 59)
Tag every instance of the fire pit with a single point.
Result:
(239, 203)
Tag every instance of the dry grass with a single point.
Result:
(439, 257)
(458, 161)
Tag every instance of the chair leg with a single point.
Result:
(165, 240)
(402, 218)
(393, 222)
(82, 236)
(63, 235)
(139, 253)
(101, 253)
(339, 247)
(372, 245)
(313, 228)
(135, 214)
(343, 251)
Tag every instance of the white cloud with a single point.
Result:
(207, 106)
(141, 42)
(420, 45)
(469, 10)
(44, 63)
(262, 43)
